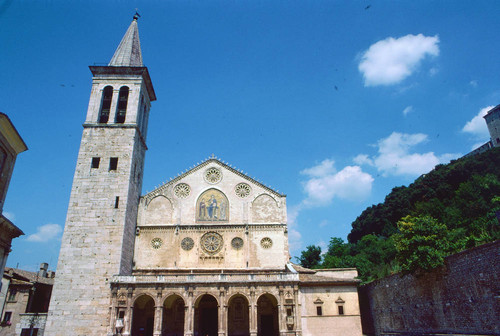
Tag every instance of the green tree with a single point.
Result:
(311, 257)
(421, 243)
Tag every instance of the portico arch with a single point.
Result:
(238, 322)
(267, 315)
(206, 316)
(173, 316)
(143, 316)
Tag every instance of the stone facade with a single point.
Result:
(493, 121)
(204, 254)
(459, 298)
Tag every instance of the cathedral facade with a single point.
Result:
(204, 254)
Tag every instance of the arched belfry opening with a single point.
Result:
(267, 316)
(238, 322)
(107, 95)
(206, 316)
(212, 206)
(173, 316)
(143, 316)
(121, 109)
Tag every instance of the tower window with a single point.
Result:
(12, 295)
(107, 94)
(113, 163)
(7, 316)
(341, 310)
(319, 310)
(121, 109)
(95, 162)
(498, 140)
(117, 202)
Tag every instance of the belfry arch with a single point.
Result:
(173, 316)
(206, 315)
(143, 316)
(267, 315)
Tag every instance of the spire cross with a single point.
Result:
(136, 15)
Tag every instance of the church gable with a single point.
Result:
(212, 193)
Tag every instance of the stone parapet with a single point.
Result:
(205, 278)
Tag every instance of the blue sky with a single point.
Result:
(333, 103)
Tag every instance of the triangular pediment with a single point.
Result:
(212, 161)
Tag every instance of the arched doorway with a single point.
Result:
(267, 316)
(173, 316)
(206, 316)
(143, 316)
(237, 316)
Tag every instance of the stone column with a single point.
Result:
(158, 320)
(127, 321)
(297, 313)
(281, 313)
(189, 315)
(112, 313)
(222, 311)
(252, 316)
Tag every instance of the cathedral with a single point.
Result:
(204, 254)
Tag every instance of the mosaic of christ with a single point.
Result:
(212, 206)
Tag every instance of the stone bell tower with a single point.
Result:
(98, 239)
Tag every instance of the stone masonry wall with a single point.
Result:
(461, 297)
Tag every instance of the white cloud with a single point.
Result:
(477, 125)
(45, 233)
(394, 156)
(391, 60)
(350, 183)
(10, 215)
(407, 110)
(323, 223)
(473, 83)
(363, 159)
(324, 168)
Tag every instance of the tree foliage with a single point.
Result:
(421, 243)
(311, 257)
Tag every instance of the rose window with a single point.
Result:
(182, 190)
(213, 175)
(266, 242)
(237, 243)
(211, 242)
(242, 190)
(156, 243)
(187, 244)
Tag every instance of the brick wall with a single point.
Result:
(463, 296)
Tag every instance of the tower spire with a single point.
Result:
(128, 52)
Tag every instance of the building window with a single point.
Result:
(498, 140)
(95, 162)
(3, 158)
(6, 317)
(319, 310)
(12, 295)
(117, 202)
(107, 94)
(341, 310)
(113, 163)
(121, 109)
(29, 332)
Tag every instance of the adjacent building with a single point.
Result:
(11, 144)
(25, 305)
(203, 254)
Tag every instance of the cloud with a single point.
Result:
(325, 183)
(407, 110)
(473, 83)
(10, 215)
(395, 158)
(323, 223)
(389, 61)
(45, 233)
(477, 125)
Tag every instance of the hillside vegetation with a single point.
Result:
(453, 207)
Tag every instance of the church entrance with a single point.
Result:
(143, 316)
(206, 316)
(173, 316)
(267, 316)
(237, 319)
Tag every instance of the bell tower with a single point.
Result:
(98, 239)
